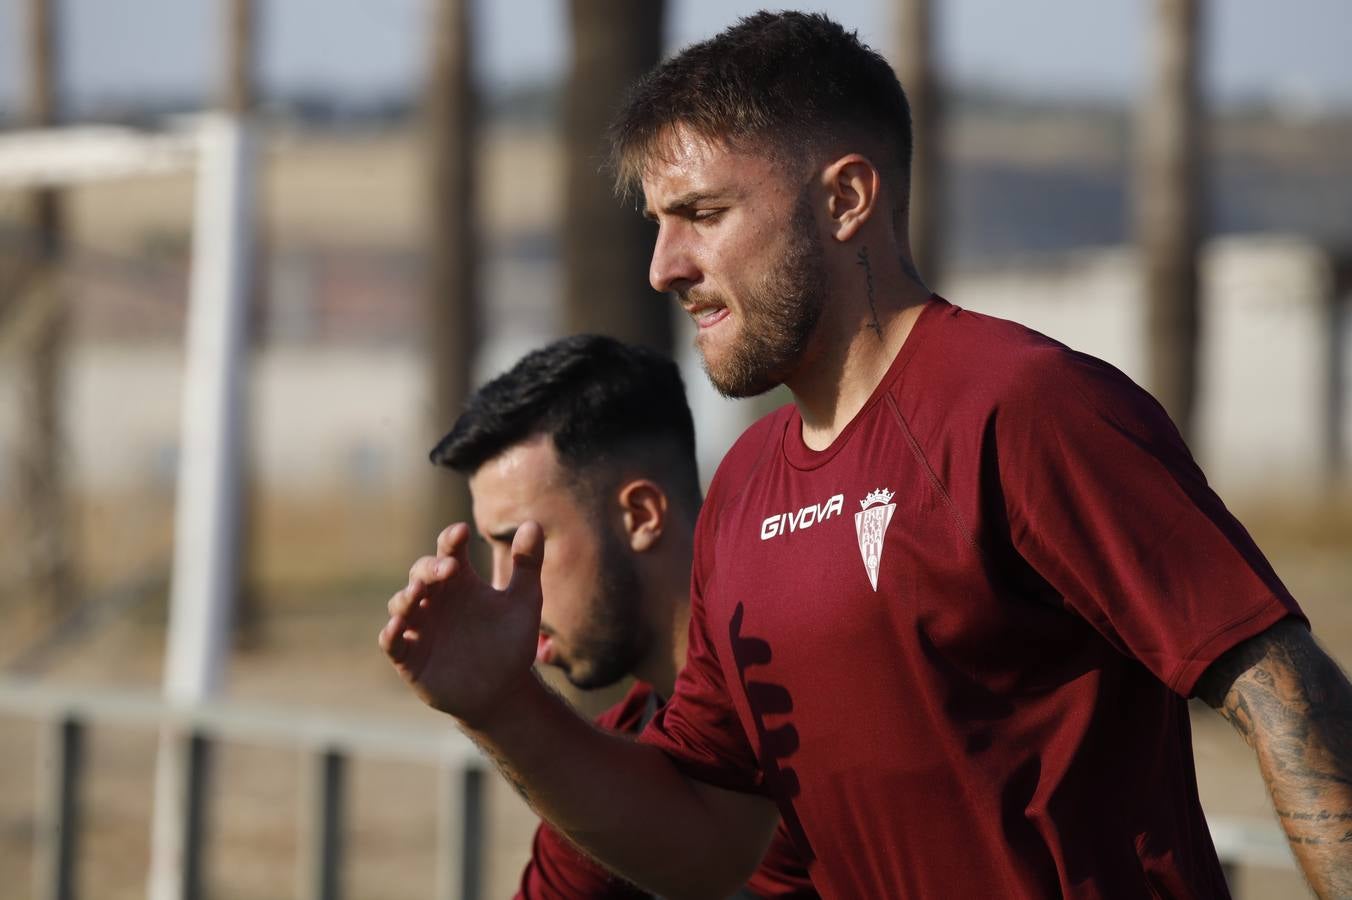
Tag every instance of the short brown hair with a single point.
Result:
(788, 81)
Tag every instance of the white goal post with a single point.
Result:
(220, 150)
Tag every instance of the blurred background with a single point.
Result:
(292, 234)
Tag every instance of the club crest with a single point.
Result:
(870, 525)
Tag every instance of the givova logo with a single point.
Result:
(806, 517)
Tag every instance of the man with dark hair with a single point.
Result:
(948, 605)
(593, 440)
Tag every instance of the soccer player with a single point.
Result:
(593, 440)
(947, 606)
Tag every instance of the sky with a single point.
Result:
(1295, 51)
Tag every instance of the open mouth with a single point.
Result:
(708, 316)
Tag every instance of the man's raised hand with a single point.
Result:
(462, 646)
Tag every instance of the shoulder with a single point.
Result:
(1001, 366)
(1003, 360)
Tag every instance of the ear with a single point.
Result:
(643, 506)
(853, 187)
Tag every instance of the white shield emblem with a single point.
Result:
(870, 525)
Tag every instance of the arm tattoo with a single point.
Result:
(862, 260)
(1291, 703)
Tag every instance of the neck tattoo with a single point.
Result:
(862, 260)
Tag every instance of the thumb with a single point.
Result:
(528, 552)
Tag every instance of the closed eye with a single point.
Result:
(505, 536)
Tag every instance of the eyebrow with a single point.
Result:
(684, 201)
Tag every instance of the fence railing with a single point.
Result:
(330, 743)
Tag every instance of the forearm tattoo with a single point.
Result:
(1291, 703)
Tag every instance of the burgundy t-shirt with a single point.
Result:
(955, 645)
(559, 871)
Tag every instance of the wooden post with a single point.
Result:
(607, 248)
(916, 69)
(60, 773)
(38, 317)
(1169, 192)
(452, 247)
(238, 96)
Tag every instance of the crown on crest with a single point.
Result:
(882, 495)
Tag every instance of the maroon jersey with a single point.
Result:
(559, 871)
(955, 645)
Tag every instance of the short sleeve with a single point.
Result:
(699, 728)
(1105, 502)
(559, 871)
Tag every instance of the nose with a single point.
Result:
(502, 567)
(673, 266)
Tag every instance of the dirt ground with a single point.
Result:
(310, 646)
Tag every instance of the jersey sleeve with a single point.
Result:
(699, 728)
(559, 871)
(1105, 502)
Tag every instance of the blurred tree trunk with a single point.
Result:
(239, 99)
(39, 324)
(452, 302)
(606, 246)
(1170, 199)
(916, 69)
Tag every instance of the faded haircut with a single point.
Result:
(782, 83)
(606, 405)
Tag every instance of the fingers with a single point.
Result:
(402, 603)
(528, 552)
(425, 573)
(453, 541)
(431, 569)
(391, 638)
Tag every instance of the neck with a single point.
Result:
(668, 650)
(671, 614)
(858, 337)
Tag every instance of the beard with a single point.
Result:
(614, 640)
(778, 314)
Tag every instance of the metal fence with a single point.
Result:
(330, 743)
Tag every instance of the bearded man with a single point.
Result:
(592, 440)
(947, 606)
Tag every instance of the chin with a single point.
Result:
(738, 385)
